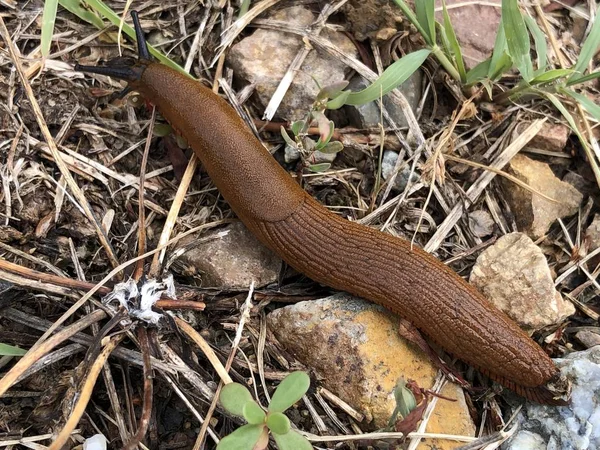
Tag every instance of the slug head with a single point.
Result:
(125, 68)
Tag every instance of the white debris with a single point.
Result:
(96, 442)
(139, 301)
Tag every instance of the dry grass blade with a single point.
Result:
(477, 188)
(86, 392)
(206, 349)
(65, 172)
(39, 351)
(501, 173)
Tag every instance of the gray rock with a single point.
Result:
(388, 164)
(592, 239)
(355, 349)
(588, 338)
(369, 114)
(481, 223)
(514, 275)
(533, 213)
(573, 427)
(229, 262)
(264, 57)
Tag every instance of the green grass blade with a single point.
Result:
(541, 47)
(101, 8)
(391, 78)
(498, 55)
(48, 19)
(479, 72)
(425, 10)
(583, 79)
(10, 350)
(550, 76)
(517, 38)
(453, 45)
(588, 50)
(75, 7)
(412, 18)
(588, 104)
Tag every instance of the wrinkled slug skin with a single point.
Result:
(339, 253)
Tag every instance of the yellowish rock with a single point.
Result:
(355, 349)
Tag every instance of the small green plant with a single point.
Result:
(237, 400)
(10, 350)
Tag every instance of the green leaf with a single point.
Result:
(583, 79)
(551, 75)
(338, 101)
(332, 147)
(253, 413)
(478, 72)
(290, 390)
(453, 44)
(588, 50)
(412, 18)
(244, 438)
(287, 138)
(234, 397)
(298, 127)
(162, 129)
(541, 48)
(75, 7)
(321, 167)
(405, 400)
(10, 350)
(517, 38)
(48, 19)
(332, 91)
(278, 423)
(499, 56)
(425, 10)
(566, 114)
(591, 107)
(292, 440)
(391, 78)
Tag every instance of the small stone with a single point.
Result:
(263, 58)
(592, 235)
(354, 347)
(514, 275)
(533, 213)
(576, 426)
(368, 115)
(588, 338)
(291, 154)
(229, 262)
(385, 33)
(552, 137)
(388, 164)
(481, 223)
(366, 18)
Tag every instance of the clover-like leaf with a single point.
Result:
(162, 129)
(234, 397)
(290, 390)
(331, 91)
(278, 423)
(332, 147)
(244, 438)
(253, 413)
(287, 138)
(292, 440)
(321, 167)
(339, 100)
(405, 399)
(298, 127)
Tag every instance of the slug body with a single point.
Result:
(339, 253)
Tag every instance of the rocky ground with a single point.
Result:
(73, 218)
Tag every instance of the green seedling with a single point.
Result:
(237, 400)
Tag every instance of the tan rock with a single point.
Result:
(354, 348)
(232, 261)
(592, 239)
(552, 137)
(264, 57)
(588, 338)
(514, 275)
(533, 213)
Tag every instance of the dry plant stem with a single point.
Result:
(139, 266)
(503, 174)
(38, 351)
(148, 391)
(77, 193)
(86, 286)
(477, 188)
(86, 392)
(205, 347)
(244, 316)
(173, 214)
(30, 439)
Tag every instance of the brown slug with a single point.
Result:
(334, 251)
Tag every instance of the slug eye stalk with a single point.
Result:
(127, 69)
